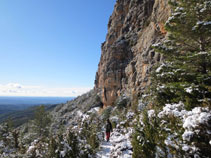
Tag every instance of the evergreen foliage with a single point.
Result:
(181, 88)
(145, 137)
(106, 113)
(41, 121)
(185, 74)
(5, 131)
(89, 133)
(73, 143)
(122, 102)
(66, 146)
(15, 135)
(52, 150)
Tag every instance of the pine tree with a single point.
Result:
(145, 137)
(89, 133)
(5, 131)
(52, 148)
(185, 74)
(41, 120)
(15, 134)
(73, 143)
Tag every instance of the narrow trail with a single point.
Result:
(119, 146)
(105, 149)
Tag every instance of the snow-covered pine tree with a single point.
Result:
(53, 148)
(73, 144)
(144, 138)
(184, 78)
(185, 74)
(181, 86)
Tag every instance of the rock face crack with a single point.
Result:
(127, 57)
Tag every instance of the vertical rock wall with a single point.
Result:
(127, 58)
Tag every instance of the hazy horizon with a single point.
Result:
(27, 100)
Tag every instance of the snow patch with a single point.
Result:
(151, 113)
(189, 89)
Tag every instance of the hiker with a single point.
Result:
(108, 129)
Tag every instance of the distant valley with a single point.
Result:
(20, 109)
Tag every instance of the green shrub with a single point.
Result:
(73, 142)
(41, 121)
(122, 102)
(89, 133)
(144, 138)
(106, 113)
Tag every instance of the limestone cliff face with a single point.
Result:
(127, 58)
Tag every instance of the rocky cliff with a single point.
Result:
(127, 57)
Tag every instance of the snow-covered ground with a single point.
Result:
(119, 145)
(105, 151)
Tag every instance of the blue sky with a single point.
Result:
(51, 43)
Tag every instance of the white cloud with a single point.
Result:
(16, 89)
